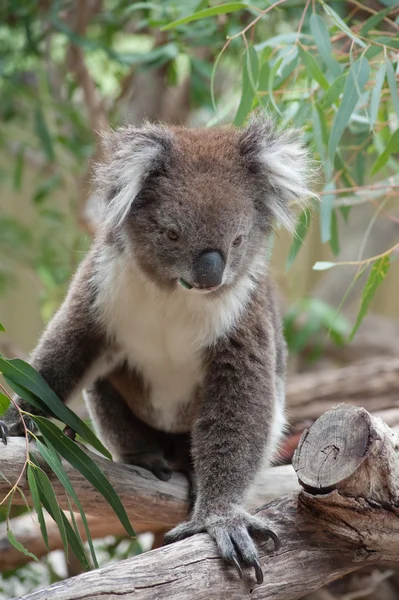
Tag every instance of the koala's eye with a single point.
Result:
(238, 241)
(173, 235)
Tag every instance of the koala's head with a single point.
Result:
(195, 205)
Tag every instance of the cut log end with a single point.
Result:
(327, 455)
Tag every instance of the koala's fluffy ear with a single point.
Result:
(131, 153)
(283, 164)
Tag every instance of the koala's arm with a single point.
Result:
(230, 440)
(70, 348)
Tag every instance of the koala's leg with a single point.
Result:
(70, 352)
(230, 439)
(130, 440)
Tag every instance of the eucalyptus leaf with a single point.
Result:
(34, 492)
(30, 385)
(18, 546)
(322, 38)
(376, 277)
(357, 78)
(221, 9)
(393, 86)
(301, 231)
(391, 147)
(85, 465)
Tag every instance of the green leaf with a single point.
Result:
(357, 78)
(18, 546)
(391, 147)
(326, 209)
(322, 38)
(301, 230)
(376, 94)
(271, 84)
(83, 463)
(43, 134)
(4, 403)
(19, 166)
(52, 459)
(333, 92)
(250, 70)
(334, 237)
(2, 327)
(323, 265)
(34, 492)
(313, 69)
(25, 381)
(222, 9)
(373, 21)
(342, 25)
(393, 86)
(376, 277)
(47, 495)
(73, 540)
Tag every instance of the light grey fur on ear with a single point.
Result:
(131, 153)
(286, 164)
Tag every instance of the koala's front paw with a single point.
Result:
(232, 533)
(16, 428)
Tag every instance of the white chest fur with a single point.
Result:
(164, 334)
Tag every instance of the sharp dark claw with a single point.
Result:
(238, 567)
(276, 539)
(3, 433)
(258, 572)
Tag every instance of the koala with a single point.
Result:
(171, 325)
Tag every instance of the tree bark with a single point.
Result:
(346, 516)
(151, 504)
(373, 384)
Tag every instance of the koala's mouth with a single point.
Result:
(191, 286)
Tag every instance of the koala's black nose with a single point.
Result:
(208, 269)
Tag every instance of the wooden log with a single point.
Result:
(373, 384)
(151, 504)
(345, 517)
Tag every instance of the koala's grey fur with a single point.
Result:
(177, 378)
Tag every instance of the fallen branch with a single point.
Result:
(345, 517)
(373, 384)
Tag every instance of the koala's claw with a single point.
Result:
(17, 429)
(232, 535)
(3, 432)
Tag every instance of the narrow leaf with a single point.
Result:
(357, 78)
(19, 166)
(373, 21)
(52, 459)
(222, 9)
(376, 94)
(376, 277)
(4, 403)
(83, 463)
(34, 492)
(333, 92)
(301, 230)
(323, 265)
(334, 237)
(342, 25)
(250, 69)
(22, 376)
(326, 209)
(2, 327)
(393, 86)
(391, 147)
(46, 494)
(313, 69)
(43, 134)
(322, 38)
(18, 546)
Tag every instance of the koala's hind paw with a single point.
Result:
(232, 533)
(16, 429)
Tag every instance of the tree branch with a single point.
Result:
(345, 517)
